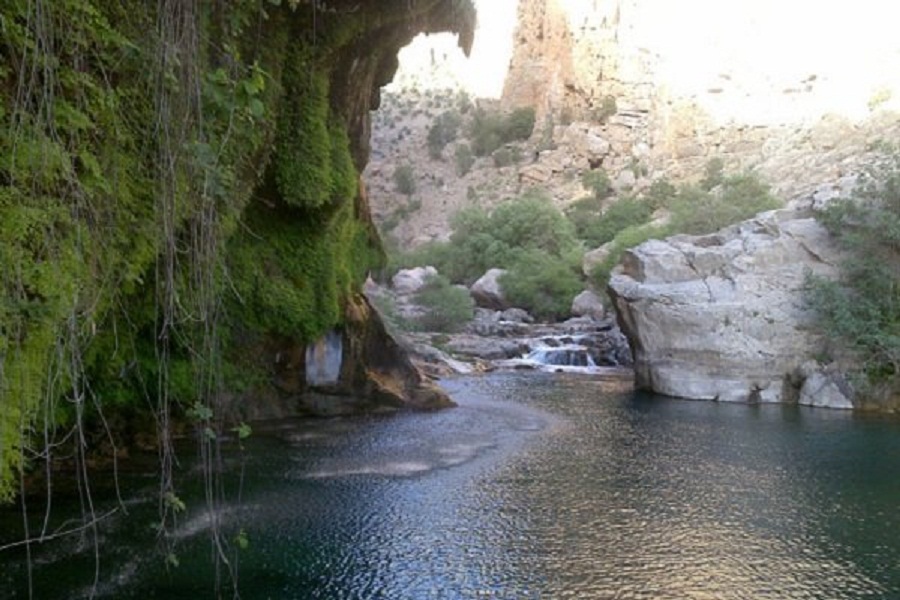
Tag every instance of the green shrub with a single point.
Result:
(448, 307)
(490, 130)
(464, 159)
(694, 211)
(597, 182)
(443, 131)
(405, 180)
(861, 312)
(502, 157)
(713, 174)
(482, 240)
(541, 283)
(519, 125)
(737, 198)
(620, 215)
(627, 238)
(607, 108)
(660, 194)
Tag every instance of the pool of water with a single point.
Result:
(538, 486)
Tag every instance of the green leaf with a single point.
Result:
(243, 431)
(257, 108)
(241, 539)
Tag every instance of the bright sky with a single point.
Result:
(483, 74)
(758, 48)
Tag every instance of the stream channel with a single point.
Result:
(539, 485)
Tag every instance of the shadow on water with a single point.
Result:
(539, 485)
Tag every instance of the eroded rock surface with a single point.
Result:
(723, 317)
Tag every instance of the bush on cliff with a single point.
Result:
(489, 130)
(861, 312)
(692, 210)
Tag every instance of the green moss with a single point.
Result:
(293, 272)
(82, 225)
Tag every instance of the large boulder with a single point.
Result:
(588, 304)
(487, 291)
(410, 281)
(722, 317)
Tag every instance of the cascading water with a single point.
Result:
(324, 359)
(562, 356)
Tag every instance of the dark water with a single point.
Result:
(538, 486)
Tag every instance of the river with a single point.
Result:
(537, 486)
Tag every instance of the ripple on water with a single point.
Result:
(552, 486)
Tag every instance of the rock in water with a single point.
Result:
(722, 317)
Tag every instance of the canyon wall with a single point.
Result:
(795, 91)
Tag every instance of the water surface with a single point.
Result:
(537, 486)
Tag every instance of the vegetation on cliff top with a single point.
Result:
(861, 312)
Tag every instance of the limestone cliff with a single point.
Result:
(794, 92)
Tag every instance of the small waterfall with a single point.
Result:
(324, 358)
(562, 356)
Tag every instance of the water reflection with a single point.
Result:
(545, 486)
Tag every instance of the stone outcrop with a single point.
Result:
(410, 281)
(722, 316)
(487, 291)
(626, 70)
(588, 304)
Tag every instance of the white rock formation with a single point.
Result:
(410, 281)
(722, 317)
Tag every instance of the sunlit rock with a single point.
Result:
(723, 317)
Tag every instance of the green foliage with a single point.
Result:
(861, 312)
(502, 157)
(404, 180)
(542, 284)
(448, 307)
(528, 236)
(597, 182)
(464, 159)
(490, 130)
(96, 194)
(693, 211)
(294, 272)
(607, 108)
(313, 165)
(737, 197)
(598, 229)
(660, 194)
(713, 174)
(627, 238)
(519, 124)
(443, 131)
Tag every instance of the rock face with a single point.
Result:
(487, 291)
(588, 304)
(410, 281)
(798, 118)
(722, 317)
